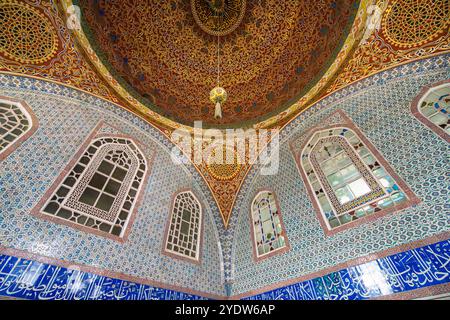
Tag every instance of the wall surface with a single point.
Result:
(380, 107)
(66, 118)
(413, 239)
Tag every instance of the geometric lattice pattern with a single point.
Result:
(347, 179)
(436, 107)
(26, 35)
(268, 231)
(183, 236)
(14, 123)
(101, 189)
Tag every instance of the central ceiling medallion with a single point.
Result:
(218, 17)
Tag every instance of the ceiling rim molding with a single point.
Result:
(352, 40)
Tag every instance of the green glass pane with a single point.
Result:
(275, 245)
(278, 227)
(345, 218)
(344, 195)
(379, 173)
(385, 203)
(324, 203)
(98, 181)
(354, 140)
(276, 220)
(387, 182)
(316, 186)
(348, 135)
(360, 213)
(369, 160)
(363, 151)
(265, 213)
(328, 166)
(281, 242)
(342, 160)
(369, 210)
(258, 235)
(260, 250)
(268, 228)
(398, 197)
(89, 196)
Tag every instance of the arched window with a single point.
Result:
(101, 188)
(432, 107)
(184, 228)
(267, 225)
(346, 178)
(17, 123)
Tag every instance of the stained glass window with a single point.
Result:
(183, 235)
(435, 106)
(101, 189)
(347, 180)
(267, 226)
(15, 122)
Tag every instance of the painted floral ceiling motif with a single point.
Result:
(271, 52)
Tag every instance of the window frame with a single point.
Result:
(175, 255)
(95, 135)
(415, 109)
(31, 117)
(346, 122)
(286, 248)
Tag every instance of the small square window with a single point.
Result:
(106, 167)
(105, 202)
(112, 187)
(119, 174)
(98, 181)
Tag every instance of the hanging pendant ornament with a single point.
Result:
(218, 95)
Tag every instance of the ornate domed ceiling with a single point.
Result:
(165, 52)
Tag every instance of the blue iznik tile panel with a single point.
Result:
(26, 279)
(399, 273)
(380, 107)
(66, 118)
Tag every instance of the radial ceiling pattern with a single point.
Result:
(165, 52)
